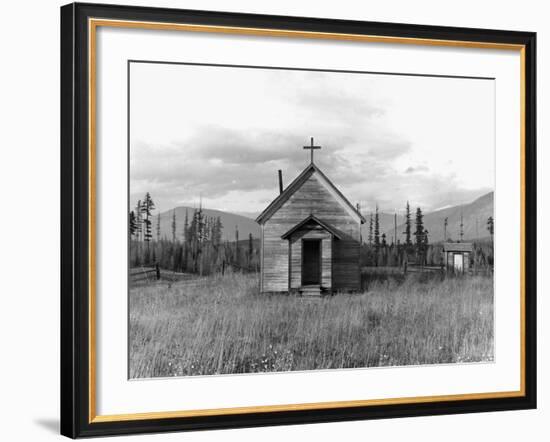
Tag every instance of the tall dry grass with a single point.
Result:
(221, 325)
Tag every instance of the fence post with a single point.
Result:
(157, 269)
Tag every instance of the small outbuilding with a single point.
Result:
(310, 238)
(457, 256)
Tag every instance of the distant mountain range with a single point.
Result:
(386, 221)
(230, 221)
(474, 215)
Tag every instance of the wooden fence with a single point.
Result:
(145, 273)
(415, 268)
(420, 269)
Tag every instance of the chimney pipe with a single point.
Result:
(280, 181)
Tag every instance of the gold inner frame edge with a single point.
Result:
(93, 23)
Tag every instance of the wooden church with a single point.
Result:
(310, 238)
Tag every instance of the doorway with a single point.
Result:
(311, 262)
(459, 262)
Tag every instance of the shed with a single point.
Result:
(457, 256)
(310, 238)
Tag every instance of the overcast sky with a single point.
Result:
(224, 132)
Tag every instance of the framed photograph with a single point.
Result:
(273, 220)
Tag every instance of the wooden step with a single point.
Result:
(310, 290)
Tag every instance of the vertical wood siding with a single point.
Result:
(295, 263)
(326, 263)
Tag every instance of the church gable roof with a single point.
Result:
(315, 220)
(297, 183)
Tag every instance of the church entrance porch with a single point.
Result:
(310, 257)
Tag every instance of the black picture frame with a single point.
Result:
(75, 220)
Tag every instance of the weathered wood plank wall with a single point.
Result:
(295, 263)
(326, 263)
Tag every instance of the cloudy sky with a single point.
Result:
(222, 133)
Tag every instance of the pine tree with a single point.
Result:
(132, 224)
(237, 245)
(491, 226)
(174, 225)
(461, 231)
(370, 229)
(185, 232)
(394, 239)
(158, 227)
(147, 207)
(192, 241)
(201, 226)
(186, 241)
(139, 221)
(196, 238)
(407, 232)
(376, 230)
(419, 232)
(217, 232)
(207, 232)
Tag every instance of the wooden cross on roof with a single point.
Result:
(312, 147)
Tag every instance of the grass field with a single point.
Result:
(221, 325)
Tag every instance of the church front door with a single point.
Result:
(311, 261)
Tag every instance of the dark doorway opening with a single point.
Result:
(311, 261)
